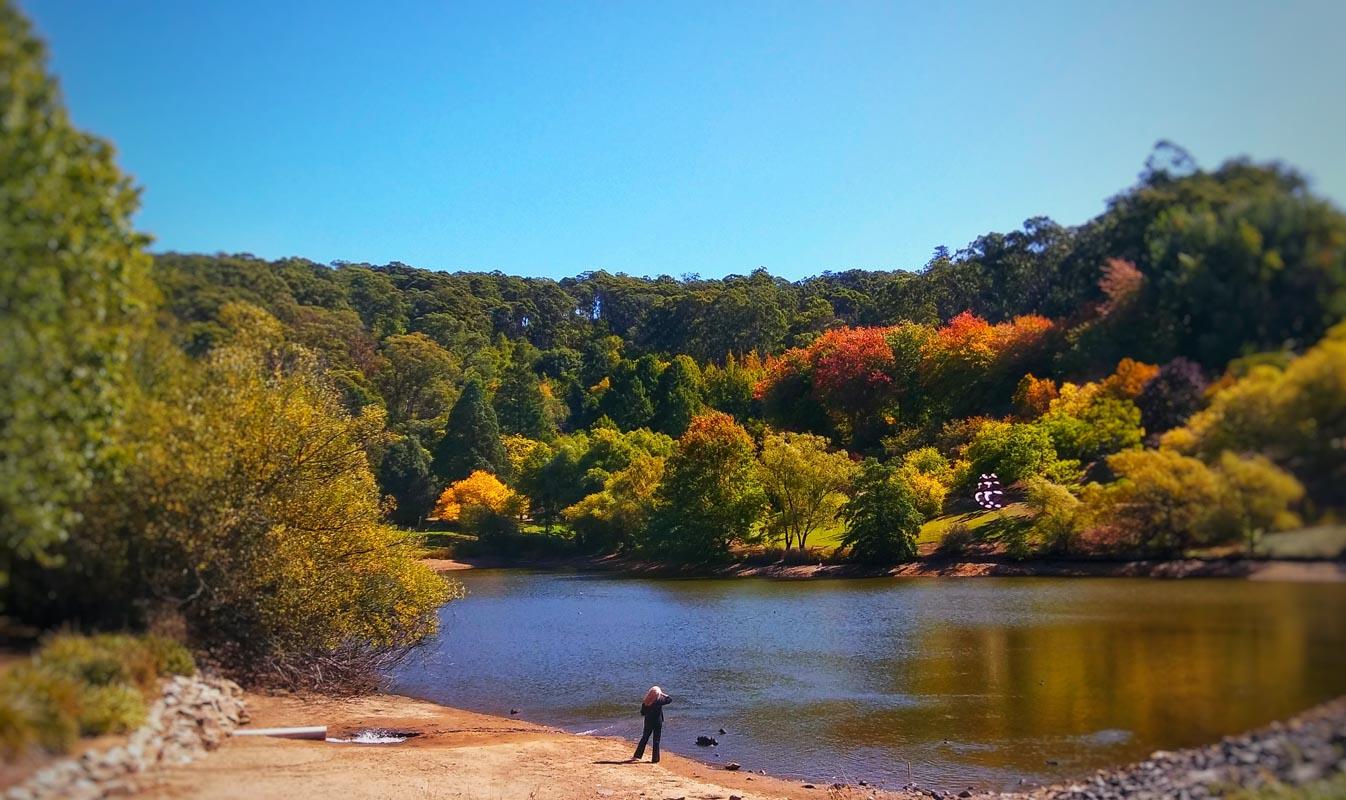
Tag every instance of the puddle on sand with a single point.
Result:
(375, 736)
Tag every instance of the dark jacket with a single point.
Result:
(654, 712)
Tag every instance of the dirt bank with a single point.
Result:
(456, 754)
(1304, 571)
(460, 754)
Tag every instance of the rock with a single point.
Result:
(965, 793)
(722, 731)
(705, 741)
(810, 786)
(513, 711)
(735, 797)
(732, 766)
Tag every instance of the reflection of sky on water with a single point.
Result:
(968, 681)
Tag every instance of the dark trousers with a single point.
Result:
(651, 729)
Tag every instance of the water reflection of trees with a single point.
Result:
(1172, 674)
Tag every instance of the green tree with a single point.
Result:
(259, 523)
(1104, 426)
(471, 439)
(520, 405)
(882, 521)
(678, 396)
(375, 297)
(805, 484)
(417, 377)
(710, 495)
(72, 290)
(614, 516)
(1013, 451)
(404, 474)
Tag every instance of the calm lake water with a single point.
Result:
(945, 682)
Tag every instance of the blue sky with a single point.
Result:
(555, 137)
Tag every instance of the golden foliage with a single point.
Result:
(480, 490)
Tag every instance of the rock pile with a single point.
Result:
(192, 716)
(1309, 747)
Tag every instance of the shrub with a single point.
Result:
(38, 708)
(957, 541)
(1060, 516)
(115, 708)
(84, 685)
(1013, 451)
(102, 660)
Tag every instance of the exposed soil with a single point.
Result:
(1309, 571)
(455, 754)
(461, 754)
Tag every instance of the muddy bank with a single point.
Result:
(1311, 571)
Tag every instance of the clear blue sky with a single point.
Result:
(554, 137)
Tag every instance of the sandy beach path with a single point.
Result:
(457, 754)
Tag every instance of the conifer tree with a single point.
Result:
(678, 396)
(471, 438)
(521, 407)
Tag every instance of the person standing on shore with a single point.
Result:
(652, 709)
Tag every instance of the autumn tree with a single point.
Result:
(479, 492)
(805, 484)
(710, 496)
(1290, 415)
(1034, 396)
(471, 439)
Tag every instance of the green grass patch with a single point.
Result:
(933, 531)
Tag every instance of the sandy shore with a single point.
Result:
(469, 756)
(1299, 571)
(456, 754)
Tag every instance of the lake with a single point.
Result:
(945, 682)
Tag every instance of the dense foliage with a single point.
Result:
(73, 281)
(1036, 355)
(209, 477)
(225, 450)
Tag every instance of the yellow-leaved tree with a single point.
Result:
(480, 491)
(246, 509)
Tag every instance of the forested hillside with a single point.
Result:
(1036, 354)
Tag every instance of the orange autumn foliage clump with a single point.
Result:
(481, 490)
(1129, 379)
(851, 366)
(1034, 396)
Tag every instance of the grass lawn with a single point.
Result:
(932, 532)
